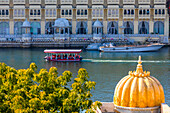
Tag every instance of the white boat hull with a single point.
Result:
(132, 49)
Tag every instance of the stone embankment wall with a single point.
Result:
(44, 44)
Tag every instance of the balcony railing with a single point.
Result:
(97, 1)
(144, 1)
(160, 16)
(19, 1)
(144, 16)
(159, 1)
(81, 1)
(112, 1)
(66, 1)
(34, 1)
(4, 1)
(50, 1)
(128, 1)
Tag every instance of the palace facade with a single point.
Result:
(95, 19)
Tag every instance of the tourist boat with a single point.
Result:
(93, 46)
(63, 55)
(138, 48)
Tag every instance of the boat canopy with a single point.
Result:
(62, 51)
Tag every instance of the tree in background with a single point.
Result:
(25, 90)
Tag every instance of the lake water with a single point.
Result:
(106, 69)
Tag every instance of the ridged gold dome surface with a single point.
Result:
(139, 89)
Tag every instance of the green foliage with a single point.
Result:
(27, 91)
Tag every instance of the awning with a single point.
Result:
(97, 7)
(144, 6)
(113, 6)
(50, 7)
(4, 7)
(128, 7)
(160, 6)
(66, 7)
(62, 51)
(35, 7)
(82, 7)
(19, 7)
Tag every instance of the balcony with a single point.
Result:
(97, 1)
(50, 1)
(4, 16)
(113, 12)
(128, 1)
(144, 12)
(159, 16)
(50, 12)
(83, 12)
(4, 1)
(19, 2)
(81, 1)
(112, 1)
(34, 1)
(159, 1)
(143, 1)
(66, 1)
(129, 12)
(160, 12)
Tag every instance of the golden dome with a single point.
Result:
(139, 89)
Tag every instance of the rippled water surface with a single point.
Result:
(106, 69)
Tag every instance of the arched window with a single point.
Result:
(125, 12)
(163, 11)
(156, 11)
(35, 28)
(128, 27)
(81, 28)
(128, 11)
(144, 12)
(112, 28)
(18, 28)
(143, 28)
(132, 12)
(159, 27)
(78, 12)
(4, 26)
(140, 12)
(159, 11)
(49, 28)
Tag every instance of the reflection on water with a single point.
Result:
(106, 69)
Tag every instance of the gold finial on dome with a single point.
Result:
(139, 70)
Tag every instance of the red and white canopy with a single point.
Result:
(62, 51)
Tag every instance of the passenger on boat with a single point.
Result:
(53, 56)
(65, 56)
(58, 57)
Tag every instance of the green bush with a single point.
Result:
(27, 91)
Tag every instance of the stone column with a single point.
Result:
(166, 25)
(73, 27)
(42, 27)
(151, 26)
(11, 27)
(89, 27)
(120, 24)
(136, 23)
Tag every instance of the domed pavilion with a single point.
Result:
(62, 28)
(138, 92)
(26, 27)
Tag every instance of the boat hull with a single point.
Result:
(63, 60)
(132, 49)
